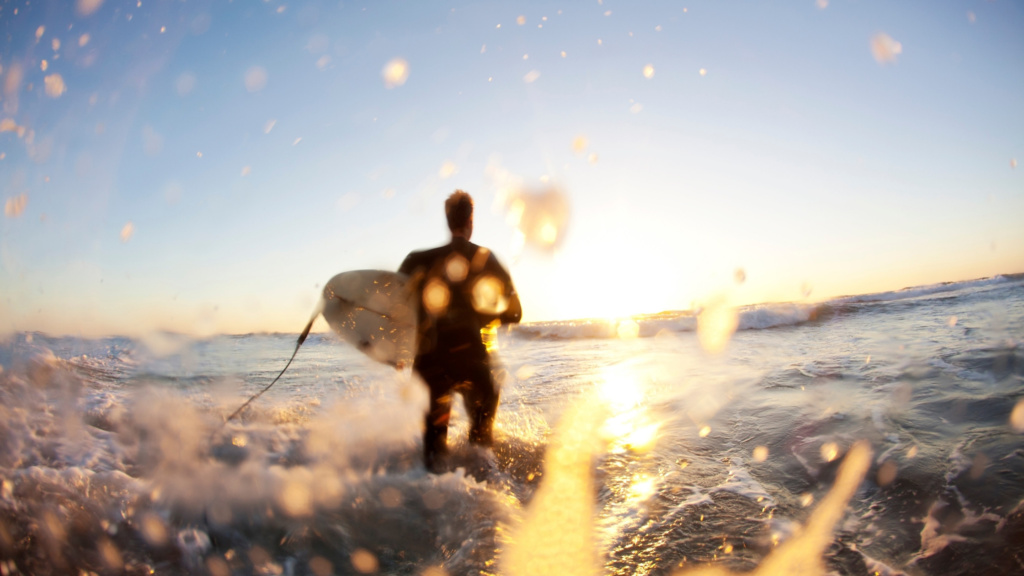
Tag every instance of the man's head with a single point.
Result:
(459, 210)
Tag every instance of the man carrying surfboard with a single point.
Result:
(462, 290)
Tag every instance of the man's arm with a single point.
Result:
(514, 313)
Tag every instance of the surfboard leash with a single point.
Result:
(302, 338)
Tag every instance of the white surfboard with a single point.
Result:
(375, 311)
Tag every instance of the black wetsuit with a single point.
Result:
(451, 355)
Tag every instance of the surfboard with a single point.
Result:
(375, 311)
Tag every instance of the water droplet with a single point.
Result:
(648, 71)
(153, 529)
(1017, 417)
(531, 76)
(391, 497)
(887, 473)
(54, 85)
(55, 44)
(295, 498)
(608, 13)
(520, 20)
(44, 65)
(884, 48)
(592, 158)
(705, 431)
(657, 28)
(563, 53)
(436, 297)
(971, 17)
(806, 499)
(110, 554)
(829, 451)
(978, 466)
(255, 78)
(269, 126)
(716, 323)
(323, 62)
(952, 321)
(395, 73)
(127, 231)
(488, 295)
(447, 170)
(483, 49)
(1013, 163)
(87, 7)
(760, 454)
(364, 561)
(321, 566)
(703, 72)
(163, 29)
(246, 170)
(39, 32)
(456, 268)
(822, 4)
(83, 40)
(15, 206)
(579, 144)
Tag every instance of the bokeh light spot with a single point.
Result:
(447, 169)
(54, 85)
(704, 431)
(579, 144)
(531, 76)
(436, 297)
(15, 206)
(1017, 417)
(760, 454)
(887, 473)
(649, 71)
(884, 48)
(364, 561)
(255, 78)
(829, 451)
(395, 73)
(127, 231)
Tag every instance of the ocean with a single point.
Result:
(873, 434)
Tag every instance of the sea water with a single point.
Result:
(639, 450)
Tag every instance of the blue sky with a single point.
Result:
(796, 156)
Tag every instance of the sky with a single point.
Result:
(206, 166)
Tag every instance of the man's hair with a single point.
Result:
(459, 210)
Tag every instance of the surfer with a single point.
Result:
(463, 290)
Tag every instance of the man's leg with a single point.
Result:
(481, 397)
(435, 433)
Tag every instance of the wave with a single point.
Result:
(754, 317)
(751, 317)
(929, 290)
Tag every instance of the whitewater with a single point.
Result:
(623, 447)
